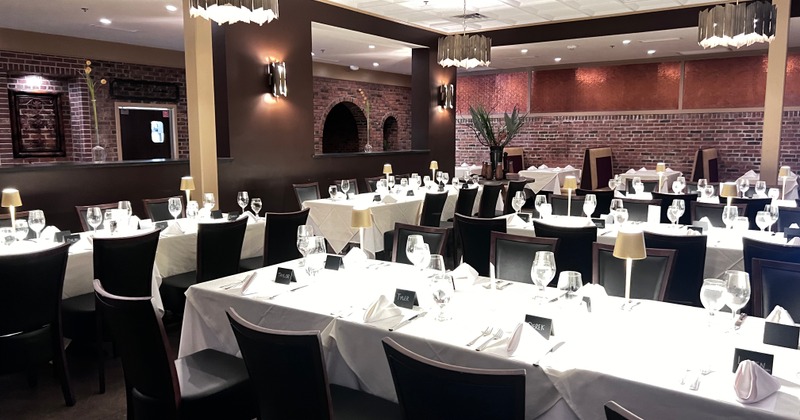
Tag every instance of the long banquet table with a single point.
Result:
(637, 358)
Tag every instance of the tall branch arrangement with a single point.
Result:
(484, 128)
(91, 85)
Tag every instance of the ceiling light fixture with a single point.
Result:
(736, 24)
(557, 59)
(626, 41)
(105, 21)
(375, 64)
(524, 50)
(171, 8)
(462, 50)
(232, 11)
(651, 52)
(372, 47)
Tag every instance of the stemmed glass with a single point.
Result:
(403, 183)
(681, 184)
(417, 251)
(729, 215)
(743, 184)
(441, 285)
(773, 211)
(763, 220)
(315, 254)
(94, 217)
(126, 206)
(701, 186)
(638, 186)
(612, 184)
(438, 177)
(392, 182)
(174, 206)
(616, 204)
(255, 205)
(620, 216)
(711, 296)
(345, 184)
(569, 282)
(737, 290)
(209, 201)
(709, 191)
(538, 201)
(21, 229)
(36, 221)
(672, 215)
(109, 221)
(445, 177)
(543, 270)
(192, 209)
(545, 210)
(774, 193)
(518, 201)
(243, 199)
(761, 188)
(332, 190)
(678, 207)
(589, 204)
(303, 233)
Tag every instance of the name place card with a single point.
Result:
(333, 262)
(781, 335)
(216, 214)
(543, 326)
(162, 225)
(526, 217)
(599, 222)
(233, 216)
(762, 359)
(284, 276)
(410, 193)
(60, 236)
(405, 298)
(376, 197)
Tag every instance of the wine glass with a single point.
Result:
(126, 206)
(680, 207)
(456, 182)
(315, 254)
(774, 212)
(518, 201)
(743, 184)
(418, 253)
(729, 215)
(94, 217)
(569, 282)
(303, 233)
(332, 190)
(737, 290)
(109, 222)
(612, 184)
(426, 180)
(36, 221)
(672, 215)
(192, 209)
(616, 204)
(709, 190)
(209, 201)
(638, 186)
(761, 188)
(774, 193)
(701, 185)
(589, 204)
(441, 285)
(255, 205)
(763, 220)
(538, 201)
(345, 184)
(403, 183)
(445, 177)
(711, 296)
(243, 199)
(543, 270)
(21, 229)
(174, 205)
(681, 184)
(7, 236)
(545, 210)
(620, 216)
(392, 182)
(438, 177)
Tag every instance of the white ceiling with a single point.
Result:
(151, 24)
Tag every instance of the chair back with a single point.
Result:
(752, 207)
(775, 283)
(157, 209)
(787, 216)
(706, 165)
(466, 201)
(604, 198)
(142, 344)
(512, 255)
(287, 370)
(639, 209)
(489, 197)
(559, 203)
(574, 248)
(372, 182)
(690, 261)
(432, 208)
(712, 211)
(474, 235)
(280, 234)
(598, 168)
(649, 277)
(615, 411)
(82, 214)
(30, 289)
(219, 248)
(666, 201)
(513, 188)
(428, 389)
(513, 161)
(752, 248)
(435, 237)
(305, 192)
(124, 265)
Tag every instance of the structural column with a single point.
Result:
(773, 102)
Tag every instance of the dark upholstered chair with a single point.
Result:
(775, 283)
(432, 209)
(466, 201)
(207, 384)
(649, 277)
(436, 238)
(473, 236)
(639, 209)
(353, 186)
(287, 371)
(559, 203)
(488, 203)
(690, 260)
(666, 201)
(305, 192)
(787, 216)
(372, 182)
(30, 314)
(157, 209)
(512, 255)
(615, 411)
(705, 165)
(280, 234)
(219, 248)
(575, 247)
(513, 188)
(752, 248)
(82, 214)
(753, 206)
(598, 168)
(604, 198)
(712, 211)
(428, 389)
(124, 265)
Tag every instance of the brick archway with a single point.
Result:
(344, 128)
(390, 128)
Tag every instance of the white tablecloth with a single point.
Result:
(461, 171)
(549, 179)
(651, 175)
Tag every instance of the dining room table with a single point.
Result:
(548, 179)
(666, 177)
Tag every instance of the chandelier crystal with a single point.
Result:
(462, 50)
(232, 11)
(736, 24)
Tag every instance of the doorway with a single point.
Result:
(146, 132)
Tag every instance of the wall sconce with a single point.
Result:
(447, 96)
(276, 78)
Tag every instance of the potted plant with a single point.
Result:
(484, 128)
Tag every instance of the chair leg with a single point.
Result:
(60, 364)
(101, 363)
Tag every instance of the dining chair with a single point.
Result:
(435, 237)
(30, 315)
(752, 207)
(207, 384)
(712, 211)
(280, 240)
(598, 168)
(473, 237)
(157, 209)
(666, 201)
(513, 188)
(353, 185)
(124, 265)
(690, 261)
(603, 197)
(574, 247)
(82, 214)
(466, 201)
(289, 378)
(219, 248)
(559, 205)
(705, 165)
(512, 255)
(429, 389)
(432, 207)
(649, 277)
(615, 411)
(488, 202)
(513, 159)
(787, 216)
(305, 192)
(372, 182)
(775, 283)
(753, 248)
(639, 209)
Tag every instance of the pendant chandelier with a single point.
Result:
(736, 24)
(462, 50)
(232, 11)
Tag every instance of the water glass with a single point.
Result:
(763, 220)
(612, 184)
(209, 201)
(774, 193)
(518, 201)
(304, 232)
(589, 204)
(681, 184)
(545, 210)
(638, 186)
(672, 215)
(192, 209)
(174, 205)
(456, 182)
(729, 215)
(36, 221)
(332, 191)
(345, 184)
(127, 210)
(441, 285)
(94, 217)
(404, 183)
(761, 188)
(569, 282)
(743, 184)
(445, 177)
(418, 253)
(242, 199)
(255, 205)
(711, 296)
(774, 212)
(616, 204)
(7, 236)
(21, 229)
(709, 191)
(702, 183)
(392, 182)
(109, 222)
(543, 270)
(620, 216)
(538, 201)
(315, 254)
(737, 290)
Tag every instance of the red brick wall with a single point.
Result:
(497, 92)
(385, 101)
(63, 74)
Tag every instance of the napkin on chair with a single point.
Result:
(382, 310)
(631, 171)
(464, 276)
(752, 383)
(543, 166)
(779, 315)
(247, 284)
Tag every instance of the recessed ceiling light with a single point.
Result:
(105, 21)
(353, 67)
(375, 64)
(372, 47)
(171, 8)
(312, 53)
(626, 41)
(557, 59)
(651, 52)
(524, 50)
(571, 47)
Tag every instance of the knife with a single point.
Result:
(739, 321)
(407, 321)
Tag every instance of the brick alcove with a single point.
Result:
(345, 129)
(390, 131)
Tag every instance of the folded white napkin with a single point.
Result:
(464, 165)
(794, 226)
(516, 222)
(692, 232)
(173, 229)
(248, 284)
(712, 200)
(382, 309)
(704, 219)
(753, 383)
(146, 223)
(557, 168)
(794, 241)
(779, 315)
(592, 290)
(388, 199)
(464, 276)
(642, 169)
(569, 168)
(543, 166)
(355, 258)
(527, 340)
(49, 233)
(618, 194)
(630, 171)
(669, 170)
(133, 223)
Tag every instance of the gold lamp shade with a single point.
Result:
(387, 168)
(434, 165)
(187, 183)
(661, 167)
(784, 171)
(727, 189)
(361, 218)
(630, 245)
(570, 183)
(11, 198)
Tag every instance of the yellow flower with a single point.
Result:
(88, 63)
(87, 70)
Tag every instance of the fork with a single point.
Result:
(485, 333)
(496, 336)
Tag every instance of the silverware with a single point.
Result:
(496, 336)
(556, 298)
(485, 333)
(286, 291)
(505, 285)
(556, 347)
(739, 321)
(232, 285)
(408, 321)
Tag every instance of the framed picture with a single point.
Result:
(36, 127)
